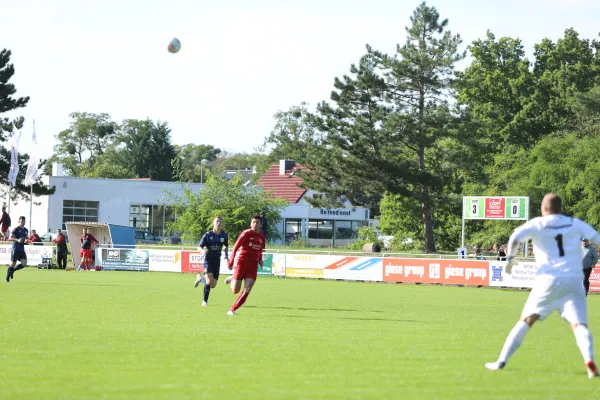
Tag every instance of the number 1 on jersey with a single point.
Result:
(561, 250)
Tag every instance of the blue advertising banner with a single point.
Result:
(125, 259)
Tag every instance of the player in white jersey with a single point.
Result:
(558, 285)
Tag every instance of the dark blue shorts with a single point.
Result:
(212, 265)
(17, 255)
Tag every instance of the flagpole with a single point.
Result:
(31, 187)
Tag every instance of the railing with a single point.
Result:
(318, 251)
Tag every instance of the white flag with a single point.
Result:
(14, 158)
(32, 168)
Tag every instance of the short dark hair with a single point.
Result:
(22, 217)
(258, 217)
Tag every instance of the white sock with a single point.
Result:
(583, 336)
(513, 341)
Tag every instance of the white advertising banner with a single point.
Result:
(355, 269)
(34, 254)
(522, 274)
(165, 260)
(279, 264)
(310, 261)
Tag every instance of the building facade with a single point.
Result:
(146, 205)
(334, 227)
(139, 203)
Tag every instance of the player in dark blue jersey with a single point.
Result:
(19, 237)
(212, 243)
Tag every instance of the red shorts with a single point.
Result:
(4, 229)
(245, 269)
(83, 253)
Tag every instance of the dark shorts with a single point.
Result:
(17, 255)
(212, 265)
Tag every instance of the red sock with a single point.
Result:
(240, 300)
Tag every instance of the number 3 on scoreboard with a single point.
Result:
(474, 208)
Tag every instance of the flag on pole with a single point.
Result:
(14, 157)
(32, 168)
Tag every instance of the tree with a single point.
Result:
(148, 151)
(390, 121)
(187, 164)
(495, 89)
(562, 69)
(112, 165)
(230, 199)
(10, 103)
(294, 136)
(87, 138)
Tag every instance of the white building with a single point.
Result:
(130, 202)
(143, 204)
(318, 226)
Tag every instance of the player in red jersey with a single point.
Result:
(87, 241)
(250, 244)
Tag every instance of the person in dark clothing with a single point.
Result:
(264, 228)
(589, 260)
(5, 223)
(61, 249)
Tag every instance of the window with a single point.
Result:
(320, 229)
(79, 211)
(293, 229)
(347, 229)
(152, 218)
(139, 216)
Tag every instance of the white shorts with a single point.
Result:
(567, 295)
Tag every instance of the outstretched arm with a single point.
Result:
(236, 247)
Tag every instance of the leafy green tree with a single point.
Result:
(87, 138)
(496, 89)
(230, 199)
(10, 103)
(148, 151)
(111, 165)
(294, 136)
(562, 69)
(187, 164)
(389, 122)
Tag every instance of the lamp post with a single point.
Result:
(202, 162)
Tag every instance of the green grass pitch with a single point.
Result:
(128, 335)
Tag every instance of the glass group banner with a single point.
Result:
(125, 259)
(449, 272)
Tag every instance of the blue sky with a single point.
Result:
(241, 60)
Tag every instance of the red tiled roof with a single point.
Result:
(283, 186)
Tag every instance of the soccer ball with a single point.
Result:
(174, 45)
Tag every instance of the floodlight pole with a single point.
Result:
(463, 229)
